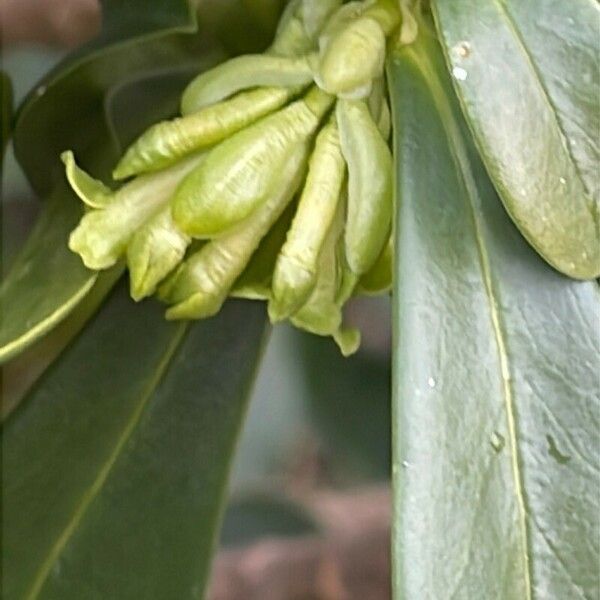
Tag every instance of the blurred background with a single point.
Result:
(309, 511)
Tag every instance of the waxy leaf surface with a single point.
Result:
(496, 407)
(527, 73)
(115, 465)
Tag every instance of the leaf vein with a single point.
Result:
(92, 492)
(460, 155)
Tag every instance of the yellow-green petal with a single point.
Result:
(91, 191)
(243, 72)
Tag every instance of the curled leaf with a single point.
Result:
(243, 72)
(153, 252)
(168, 141)
(241, 173)
(295, 272)
(201, 285)
(102, 235)
(370, 185)
(91, 191)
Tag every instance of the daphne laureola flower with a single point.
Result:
(275, 183)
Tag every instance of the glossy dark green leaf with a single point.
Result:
(21, 372)
(115, 466)
(527, 73)
(496, 406)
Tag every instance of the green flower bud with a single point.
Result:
(166, 142)
(322, 314)
(242, 172)
(201, 285)
(91, 191)
(296, 268)
(153, 252)
(102, 235)
(352, 59)
(243, 72)
(370, 185)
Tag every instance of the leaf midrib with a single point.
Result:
(460, 156)
(13, 346)
(95, 488)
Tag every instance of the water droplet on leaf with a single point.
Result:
(431, 382)
(459, 73)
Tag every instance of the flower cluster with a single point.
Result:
(275, 183)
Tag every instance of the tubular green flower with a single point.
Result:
(201, 285)
(102, 235)
(153, 252)
(295, 272)
(243, 72)
(322, 313)
(89, 190)
(168, 141)
(370, 185)
(242, 172)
